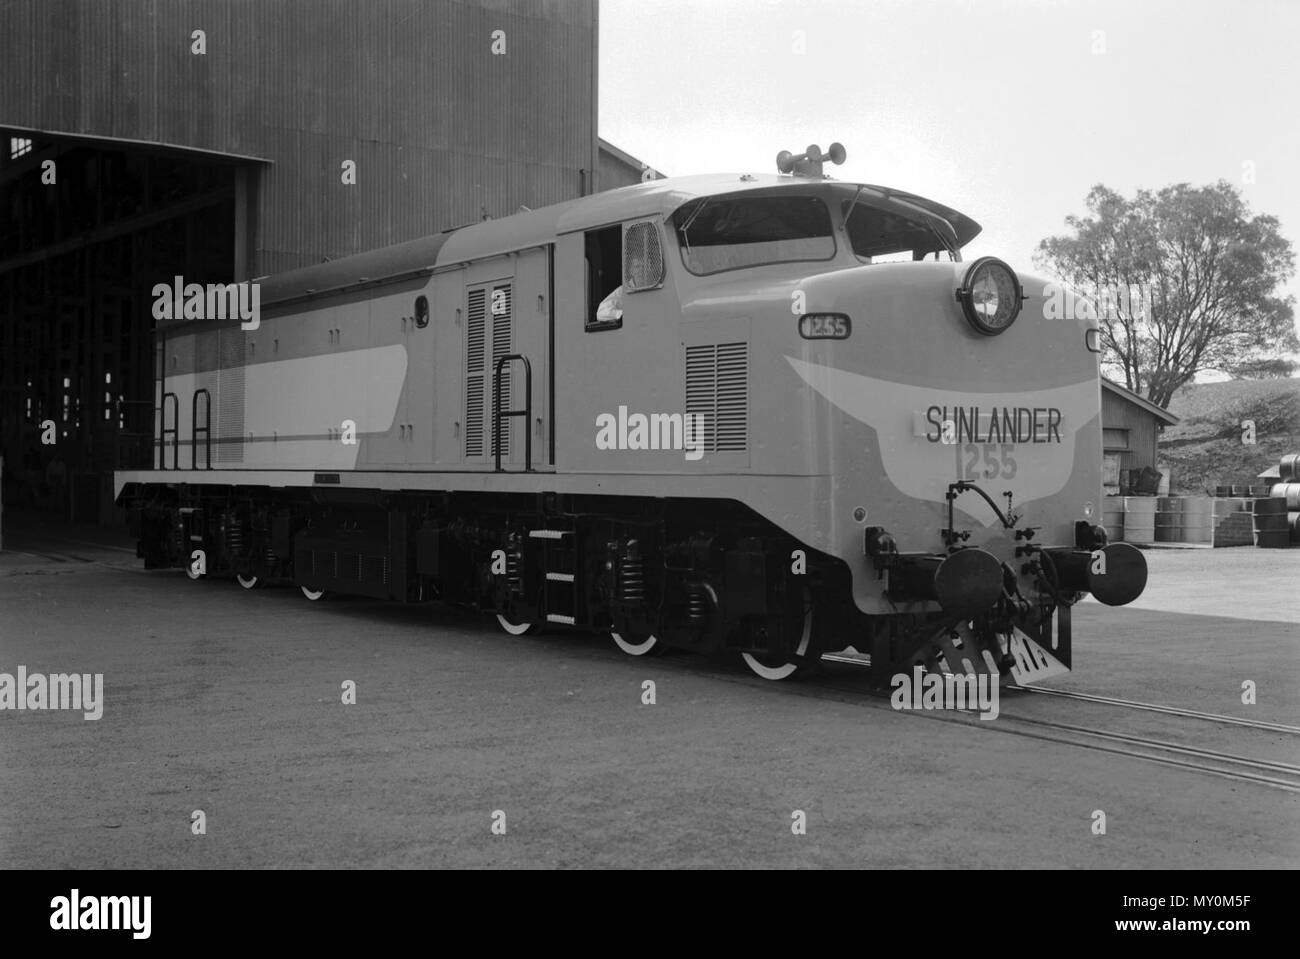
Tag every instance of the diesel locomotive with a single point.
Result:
(774, 416)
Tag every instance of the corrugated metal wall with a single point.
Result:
(442, 131)
(615, 172)
(1119, 414)
(619, 168)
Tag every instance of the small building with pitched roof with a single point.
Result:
(1130, 434)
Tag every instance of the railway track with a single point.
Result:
(1225, 765)
(1157, 708)
(1262, 772)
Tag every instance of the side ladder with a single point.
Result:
(560, 566)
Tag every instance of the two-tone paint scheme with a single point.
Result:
(817, 518)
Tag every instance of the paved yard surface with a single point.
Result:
(229, 702)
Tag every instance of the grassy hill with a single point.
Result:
(1205, 450)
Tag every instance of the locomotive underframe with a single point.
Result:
(706, 575)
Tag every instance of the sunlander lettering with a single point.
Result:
(217, 301)
(995, 424)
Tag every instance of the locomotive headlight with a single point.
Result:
(990, 295)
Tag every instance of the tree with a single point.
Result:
(1276, 369)
(1204, 271)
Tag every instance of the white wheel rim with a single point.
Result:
(636, 649)
(313, 594)
(189, 571)
(248, 582)
(785, 670)
(514, 629)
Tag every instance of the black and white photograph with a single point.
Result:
(655, 435)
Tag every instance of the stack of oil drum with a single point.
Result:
(1277, 518)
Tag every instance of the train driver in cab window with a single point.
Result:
(611, 307)
(604, 260)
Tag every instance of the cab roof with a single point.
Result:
(532, 228)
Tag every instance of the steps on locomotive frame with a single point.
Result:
(560, 570)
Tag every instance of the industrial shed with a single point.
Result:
(1130, 430)
(619, 168)
(217, 141)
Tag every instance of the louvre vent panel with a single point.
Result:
(701, 366)
(717, 387)
(502, 300)
(474, 415)
(732, 409)
(502, 345)
(475, 330)
(475, 361)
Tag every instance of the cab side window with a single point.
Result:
(604, 258)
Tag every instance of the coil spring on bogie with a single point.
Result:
(514, 571)
(631, 568)
(234, 536)
(697, 604)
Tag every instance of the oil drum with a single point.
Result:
(1272, 530)
(1169, 520)
(1196, 519)
(1289, 492)
(1139, 519)
(1289, 468)
(1112, 518)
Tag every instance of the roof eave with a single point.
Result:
(1127, 394)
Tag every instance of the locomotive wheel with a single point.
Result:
(248, 582)
(639, 645)
(516, 629)
(776, 668)
(312, 594)
(189, 571)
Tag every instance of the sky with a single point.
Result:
(1008, 110)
